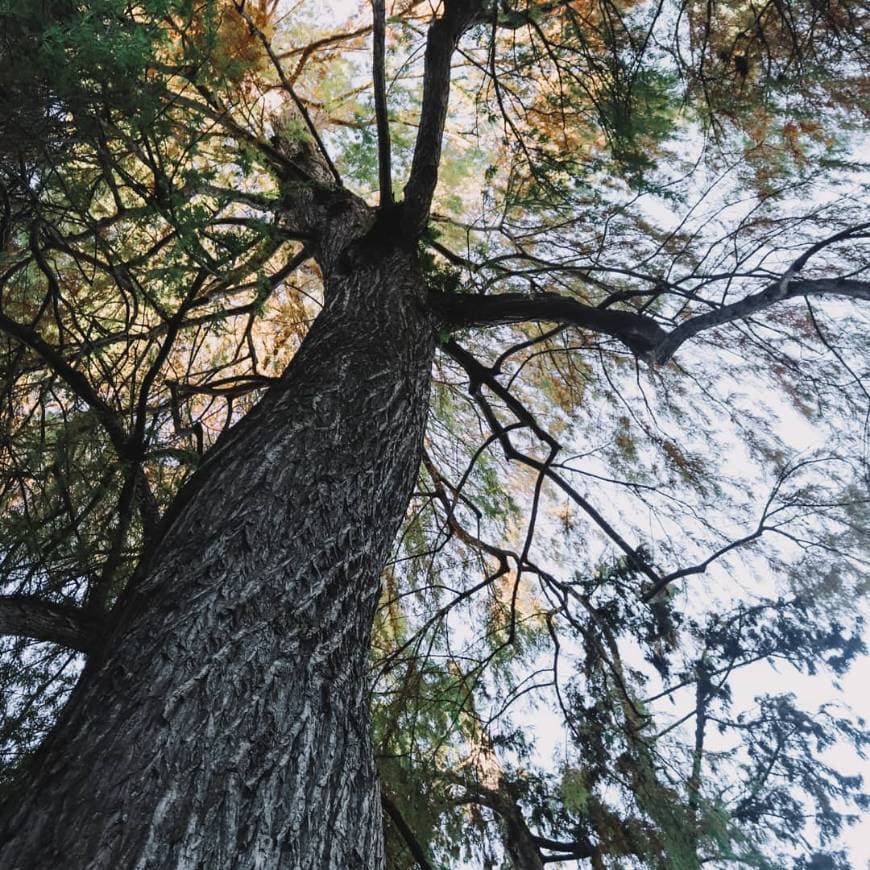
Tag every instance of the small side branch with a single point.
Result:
(479, 375)
(28, 616)
(288, 87)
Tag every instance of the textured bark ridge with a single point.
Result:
(226, 723)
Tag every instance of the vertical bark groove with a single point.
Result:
(227, 718)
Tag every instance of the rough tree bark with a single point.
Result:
(224, 722)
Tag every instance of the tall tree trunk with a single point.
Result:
(225, 723)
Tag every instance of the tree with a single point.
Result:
(292, 488)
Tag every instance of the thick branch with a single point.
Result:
(27, 616)
(521, 844)
(385, 175)
(638, 332)
(441, 41)
(572, 850)
(773, 293)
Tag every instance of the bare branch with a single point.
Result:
(479, 375)
(637, 331)
(771, 294)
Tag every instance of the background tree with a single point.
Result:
(246, 253)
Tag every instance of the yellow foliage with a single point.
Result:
(229, 33)
(239, 48)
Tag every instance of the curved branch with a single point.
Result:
(521, 844)
(478, 375)
(701, 567)
(771, 294)
(570, 851)
(638, 332)
(28, 616)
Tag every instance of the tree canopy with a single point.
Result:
(643, 496)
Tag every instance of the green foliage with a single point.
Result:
(359, 152)
(574, 792)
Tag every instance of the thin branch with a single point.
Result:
(408, 836)
(701, 567)
(479, 375)
(748, 306)
(73, 378)
(288, 86)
